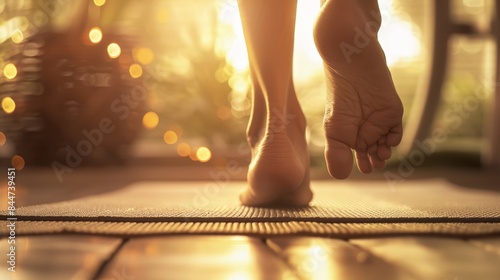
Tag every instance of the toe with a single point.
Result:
(384, 152)
(394, 136)
(338, 157)
(364, 164)
(376, 162)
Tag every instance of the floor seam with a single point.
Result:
(106, 262)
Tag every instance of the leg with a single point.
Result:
(279, 171)
(363, 111)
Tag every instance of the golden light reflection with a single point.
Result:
(3, 139)
(99, 3)
(184, 150)
(135, 71)
(316, 263)
(114, 50)
(18, 162)
(10, 71)
(95, 35)
(170, 137)
(203, 154)
(143, 55)
(17, 36)
(8, 105)
(150, 120)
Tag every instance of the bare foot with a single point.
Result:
(278, 174)
(363, 111)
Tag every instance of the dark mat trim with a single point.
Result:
(338, 230)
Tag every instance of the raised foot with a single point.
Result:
(363, 111)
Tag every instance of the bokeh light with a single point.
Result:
(203, 154)
(183, 149)
(170, 137)
(135, 71)
(143, 55)
(95, 35)
(8, 105)
(114, 50)
(150, 120)
(3, 139)
(10, 71)
(99, 3)
(18, 162)
(17, 36)
(192, 155)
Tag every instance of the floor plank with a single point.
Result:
(435, 258)
(323, 258)
(196, 257)
(57, 257)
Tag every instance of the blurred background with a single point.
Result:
(165, 82)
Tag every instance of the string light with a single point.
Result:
(8, 105)
(150, 120)
(3, 139)
(135, 71)
(18, 162)
(95, 35)
(170, 137)
(203, 154)
(10, 71)
(114, 50)
(99, 3)
(184, 150)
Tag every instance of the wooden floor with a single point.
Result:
(241, 257)
(186, 256)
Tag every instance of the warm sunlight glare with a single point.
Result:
(398, 37)
(233, 40)
(399, 41)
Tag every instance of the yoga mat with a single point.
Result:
(429, 201)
